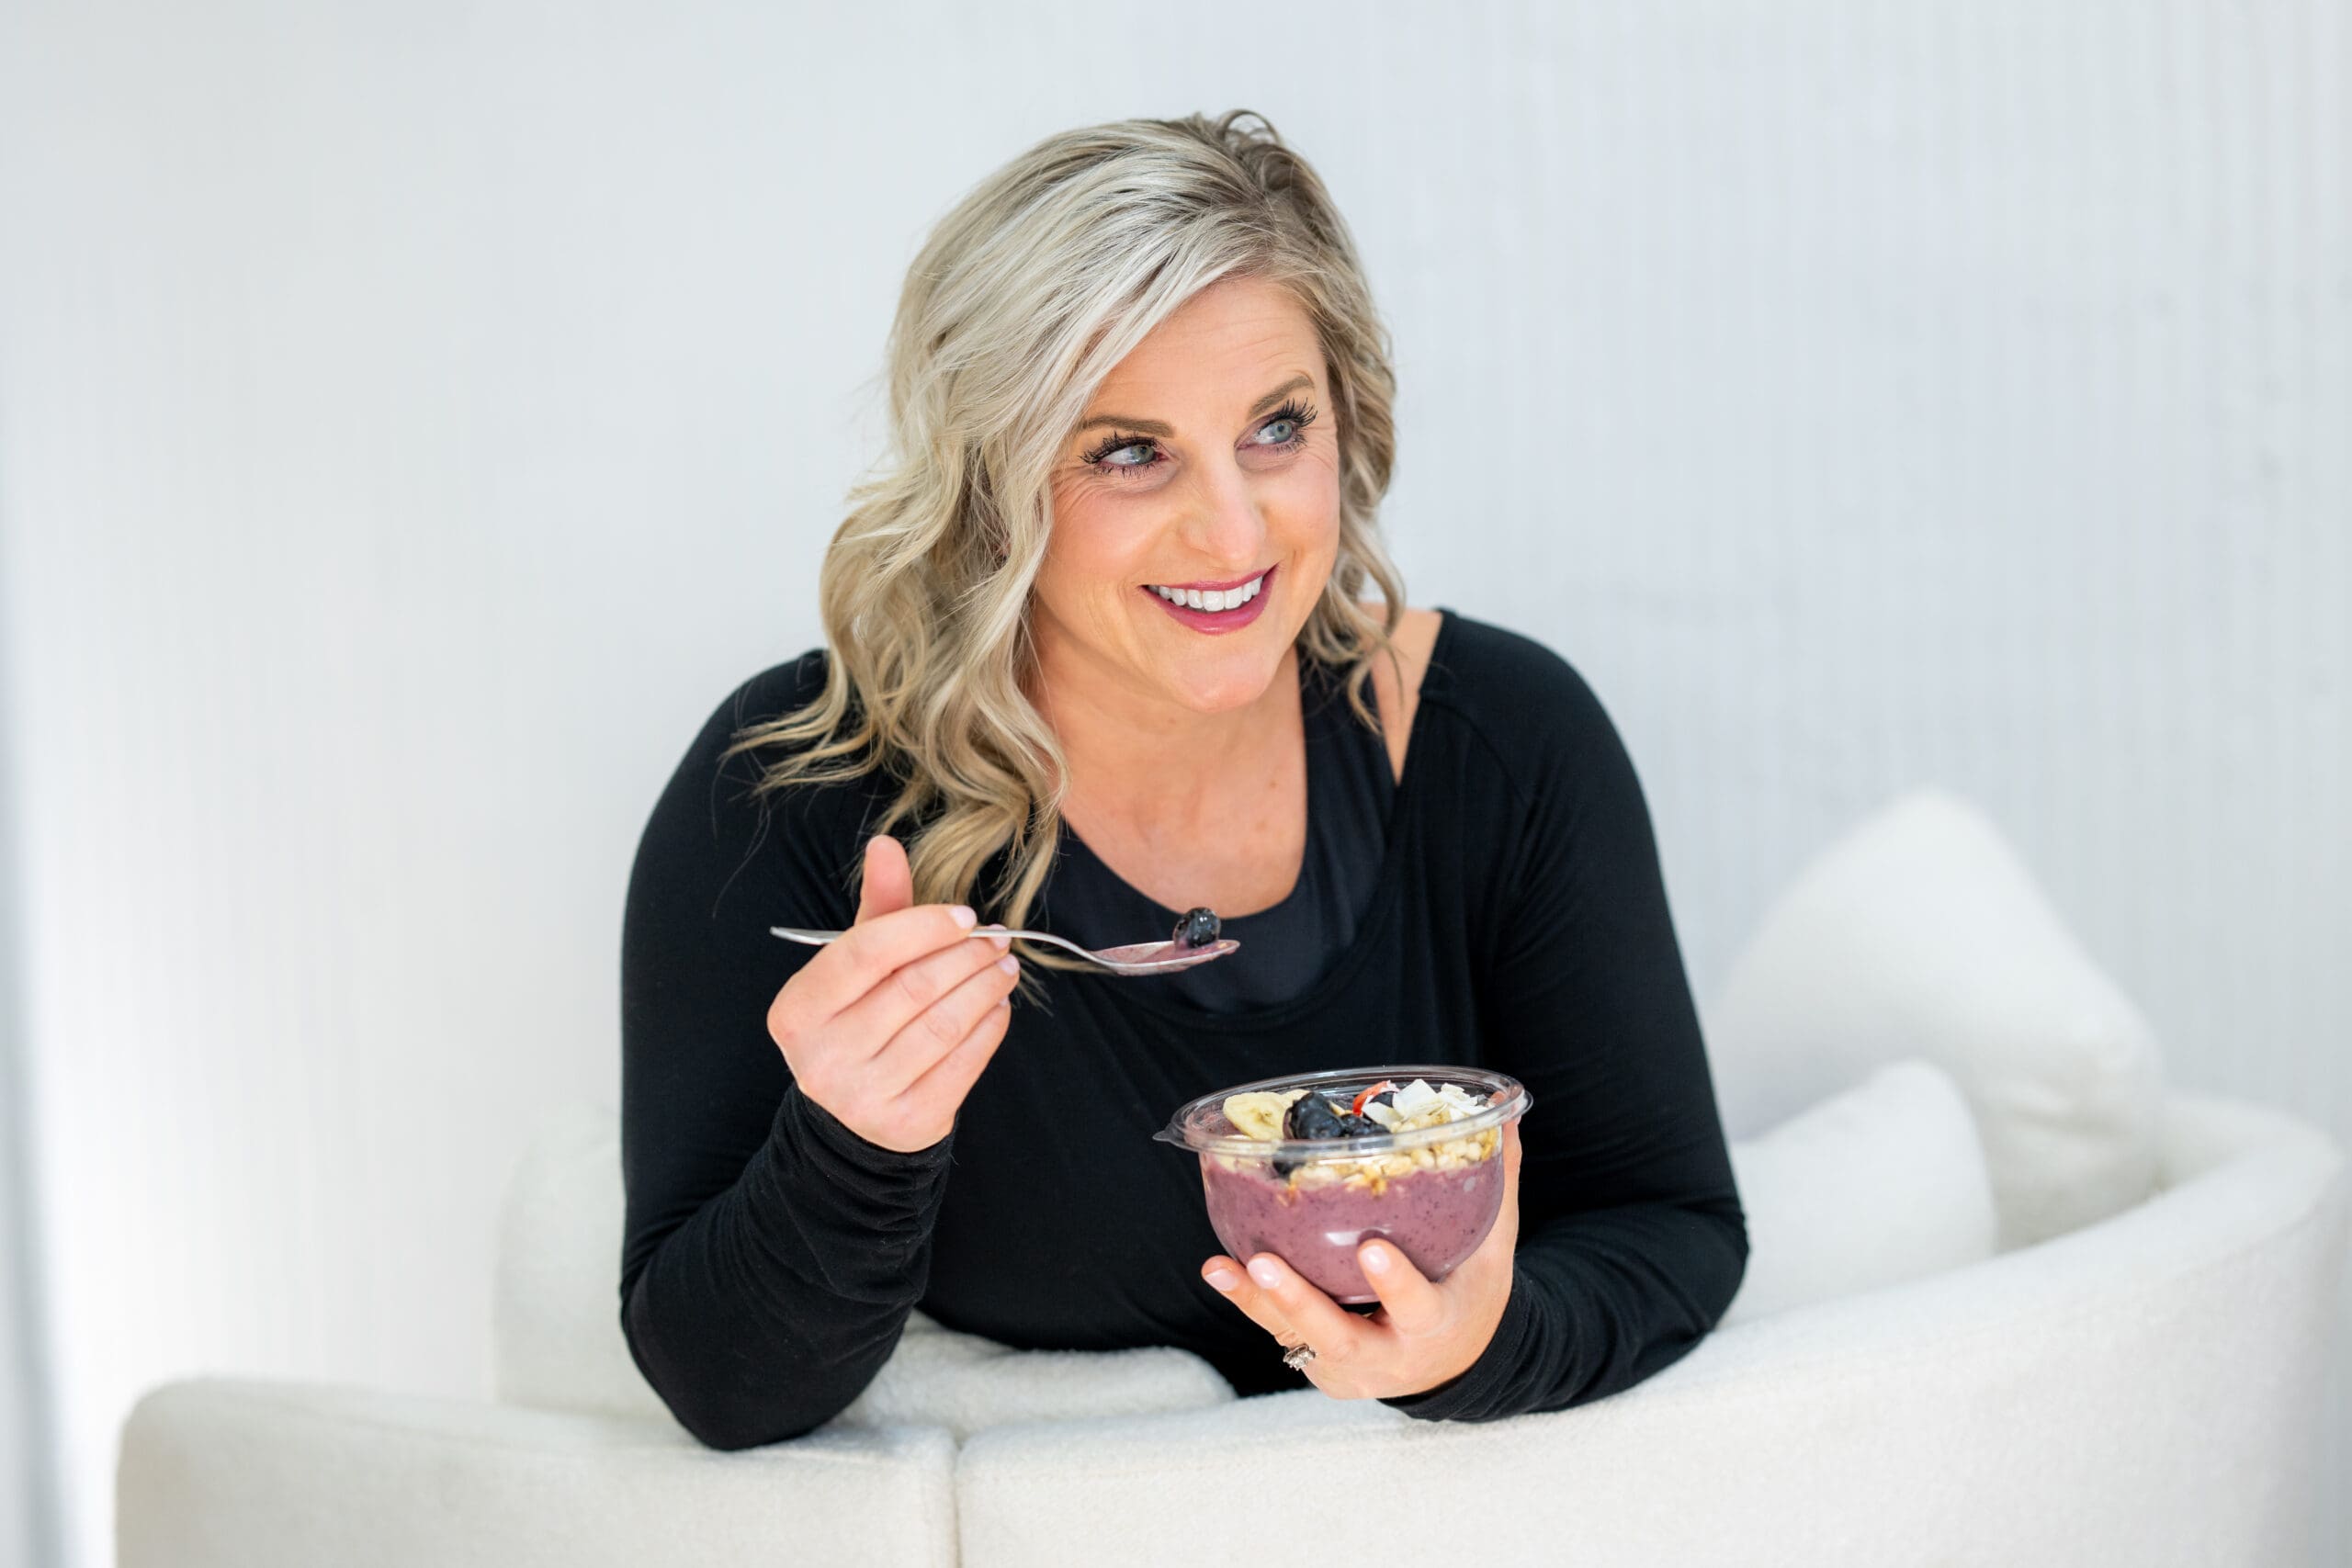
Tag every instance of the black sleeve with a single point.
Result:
(1632, 1239)
(770, 1256)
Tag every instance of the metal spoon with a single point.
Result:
(1136, 958)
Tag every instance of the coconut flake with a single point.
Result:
(1415, 1096)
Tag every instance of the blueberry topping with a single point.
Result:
(1197, 929)
(1312, 1116)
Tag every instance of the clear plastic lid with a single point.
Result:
(1201, 1124)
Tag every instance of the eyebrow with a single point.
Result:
(1154, 427)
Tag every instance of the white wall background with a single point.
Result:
(414, 417)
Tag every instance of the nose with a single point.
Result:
(1225, 529)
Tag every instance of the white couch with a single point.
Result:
(2102, 1345)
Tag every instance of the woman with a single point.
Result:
(1139, 364)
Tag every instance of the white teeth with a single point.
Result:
(1215, 599)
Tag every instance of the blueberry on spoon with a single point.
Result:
(1197, 929)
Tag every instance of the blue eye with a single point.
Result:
(1291, 413)
(1122, 446)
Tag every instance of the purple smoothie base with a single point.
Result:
(1435, 1217)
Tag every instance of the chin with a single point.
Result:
(1234, 680)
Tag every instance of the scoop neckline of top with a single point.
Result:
(1316, 685)
(1376, 914)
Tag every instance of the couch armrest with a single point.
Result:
(2142, 1392)
(217, 1472)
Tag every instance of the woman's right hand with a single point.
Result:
(889, 1026)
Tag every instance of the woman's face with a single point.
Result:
(1209, 455)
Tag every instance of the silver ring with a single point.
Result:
(1297, 1356)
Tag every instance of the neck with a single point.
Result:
(1138, 759)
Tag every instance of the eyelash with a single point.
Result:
(1292, 410)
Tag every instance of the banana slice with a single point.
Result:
(1259, 1115)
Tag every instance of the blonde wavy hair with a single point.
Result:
(1022, 299)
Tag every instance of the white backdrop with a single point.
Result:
(414, 416)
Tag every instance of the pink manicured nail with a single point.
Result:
(1377, 1259)
(1262, 1269)
(963, 916)
(1223, 1279)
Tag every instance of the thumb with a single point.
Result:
(887, 885)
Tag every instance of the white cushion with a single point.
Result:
(940, 1378)
(1881, 1183)
(1921, 934)
(248, 1472)
(557, 1341)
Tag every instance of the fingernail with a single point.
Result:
(1004, 943)
(963, 916)
(1223, 1279)
(1377, 1259)
(1008, 963)
(1262, 1269)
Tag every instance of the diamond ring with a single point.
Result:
(1297, 1356)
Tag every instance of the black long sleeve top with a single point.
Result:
(1519, 921)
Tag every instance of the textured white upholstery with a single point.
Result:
(2139, 1390)
(1878, 1183)
(216, 1473)
(2143, 1392)
(1920, 933)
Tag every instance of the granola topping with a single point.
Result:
(1383, 1107)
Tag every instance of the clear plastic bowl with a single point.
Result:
(1313, 1217)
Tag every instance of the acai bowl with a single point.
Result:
(1309, 1166)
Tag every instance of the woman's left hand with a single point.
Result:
(1423, 1333)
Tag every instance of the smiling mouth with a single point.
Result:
(1213, 600)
